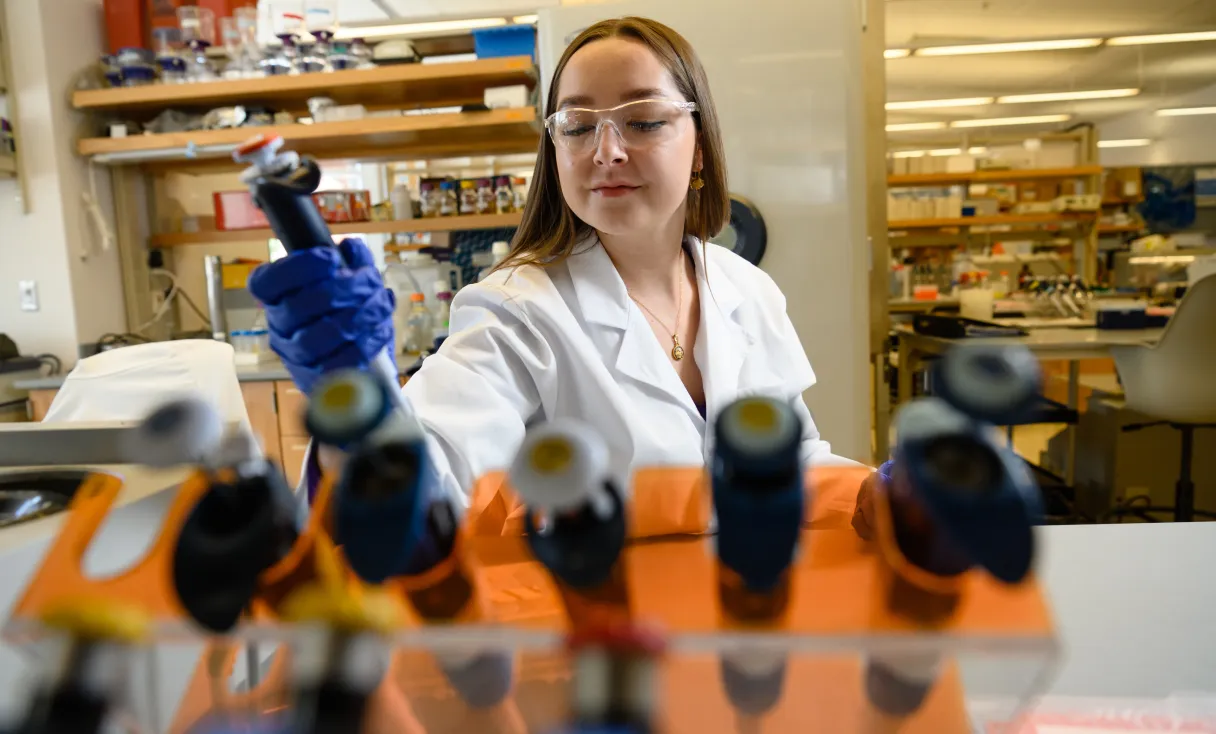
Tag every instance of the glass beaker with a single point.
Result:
(198, 33)
(167, 44)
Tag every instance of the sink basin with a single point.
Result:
(29, 495)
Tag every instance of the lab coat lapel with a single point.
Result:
(722, 344)
(605, 303)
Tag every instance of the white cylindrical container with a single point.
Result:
(976, 303)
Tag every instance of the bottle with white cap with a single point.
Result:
(498, 251)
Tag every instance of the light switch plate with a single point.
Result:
(29, 295)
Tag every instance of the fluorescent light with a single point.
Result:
(525, 19)
(1067, 96)
(896, 53)
(418, 29)
(911, 126)
(927, 104)
(1010, 47)
(978, 150)
(1161, 38)
(1128, 143)
(996, 121)
(1183, 111)
(936, 152)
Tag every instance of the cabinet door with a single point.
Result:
(263, 417)
(291, 409)
(294, 451)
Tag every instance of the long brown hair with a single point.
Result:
(550, 230)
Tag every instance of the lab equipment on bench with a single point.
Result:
(394, 522)
(955, 500)
(386, 564)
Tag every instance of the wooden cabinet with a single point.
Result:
(291, 428)
(292, 403)
(263, 416)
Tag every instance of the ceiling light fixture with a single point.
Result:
(1185, 111)
(1161, 38)
(525, 19)
(1067, 96)
(896, 53)
(1128, 143)
(417, 29)
(936, 152)
(998, 121)
(905, 127)
(928, 104)
(1010, 47)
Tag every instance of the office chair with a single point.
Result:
(1174, 382)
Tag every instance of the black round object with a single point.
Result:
(580, 549)
(234, 533)
(746, 234)
(995, 384)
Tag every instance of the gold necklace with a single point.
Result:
(677, 351)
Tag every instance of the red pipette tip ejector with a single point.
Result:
(255, 144)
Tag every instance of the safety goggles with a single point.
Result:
(639, 125)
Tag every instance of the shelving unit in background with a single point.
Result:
(139, 163)
(430, 224)
(1046, 230)
(10, 163)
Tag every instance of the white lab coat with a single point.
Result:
(531, 344)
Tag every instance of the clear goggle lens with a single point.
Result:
(639, 125)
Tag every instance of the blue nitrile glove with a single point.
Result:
(326, 309)
(863, 513)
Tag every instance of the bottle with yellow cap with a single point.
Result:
(757, 479)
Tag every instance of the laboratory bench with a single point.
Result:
(275, 406)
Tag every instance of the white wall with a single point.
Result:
(79, 287)
(1176, 140)
(789, 93)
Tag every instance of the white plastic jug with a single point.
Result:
(417, 273)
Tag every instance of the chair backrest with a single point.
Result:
(1176, 379)
(129, 382)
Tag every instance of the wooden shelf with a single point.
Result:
(445, 224)
(995, 219)
(499, 131)
(1119, 228)
(950, 179)
(393, 86)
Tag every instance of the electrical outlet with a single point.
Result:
(29, 295)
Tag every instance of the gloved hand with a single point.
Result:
(326, 309)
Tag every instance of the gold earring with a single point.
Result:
(697, 183)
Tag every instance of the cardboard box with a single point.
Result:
(236, 210)
(126, 25)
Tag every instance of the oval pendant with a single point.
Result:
(677, 351)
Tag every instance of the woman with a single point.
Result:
(610, 308)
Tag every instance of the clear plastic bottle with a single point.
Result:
(504, 198)
(420, 326)
(449, 203)
(443, 312)
(498, 251)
